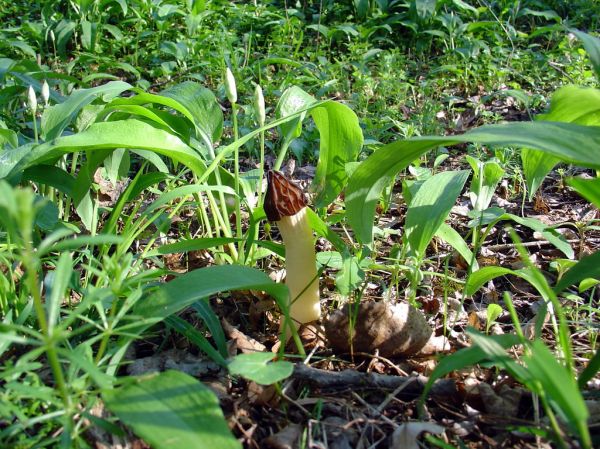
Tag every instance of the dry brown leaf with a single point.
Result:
(242, 341)
(405, 436)
(287, 438)
(503, 403)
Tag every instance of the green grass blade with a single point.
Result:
(560, 387)
(192, 334)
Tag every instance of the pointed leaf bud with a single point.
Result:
(230, 88)
(31, 100)
(259, 105)
(45, 92)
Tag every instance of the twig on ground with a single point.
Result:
(351, 379)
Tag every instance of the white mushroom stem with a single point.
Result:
(301, 267)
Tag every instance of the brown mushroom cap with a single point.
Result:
(283, 198)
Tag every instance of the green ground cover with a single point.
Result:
(451, 150)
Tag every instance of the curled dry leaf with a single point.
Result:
(340, 435)
(505, 402)
(405, 436)
(241, 341)
(392, 329)
(286, 438)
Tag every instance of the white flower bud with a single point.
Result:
(230, 88)
(259, 105)
(31, 100)
(45, 92)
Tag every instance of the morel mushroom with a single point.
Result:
(285, 205)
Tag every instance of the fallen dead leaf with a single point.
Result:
(284, 439)
(240, 340)
(405, 436)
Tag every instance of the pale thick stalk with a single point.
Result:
(301, 267)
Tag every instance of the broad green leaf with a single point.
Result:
(550, 234)
(486, 274)
(331, 259)
(89, 34)
(373, 175)
(429, 208)
(57, 117)
(486, 176)
(587, 188)
(129, 134)
(292, 101)
(340, 142)
(171, 409)
(50, 175)
(202, 105)
(498, 354)
(424, 8)
(587, 283)
(82, 198)
(592, 47)
(46, 217)
(570, 104)
(185, 290)
(466, 357)
(258, 367)
(587, 267)
(559, 386)
(362, 8)
(449, 235)
(350, 277)
(117, 165)
(8, 136)
(575, 144)
(493, 311)
(536, 166)
(164, 119)
(63, 32)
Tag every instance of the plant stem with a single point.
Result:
(67, 211)
(281, 156)
(238, 209)
(29, 261)
(35, 130)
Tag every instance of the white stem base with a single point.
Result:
(301, 268)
